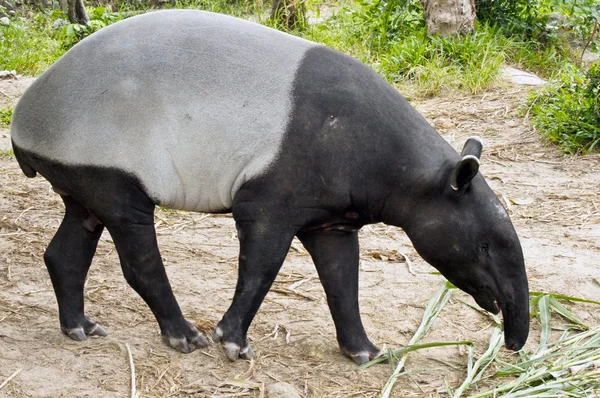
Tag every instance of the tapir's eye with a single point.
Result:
(484, 247)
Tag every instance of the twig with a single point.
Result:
(12, 376)
(287, 291)
(297, 248)
(23, 212)
(408, 263)
(590, 40)
(132, 367)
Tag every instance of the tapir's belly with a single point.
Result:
(193, 104)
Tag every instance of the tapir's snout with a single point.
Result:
(515, 311)
(511, 297)
(513, 302)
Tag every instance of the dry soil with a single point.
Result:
(554, 202)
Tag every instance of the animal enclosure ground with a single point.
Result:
(554, 202)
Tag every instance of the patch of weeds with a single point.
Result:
(467, 62)
(28, 46)
(100, 17)
(5, 117)
(7, 153)
(545, 60)
(289, 15)
(387, 21)
(247, 9)
(568, 111)
(346, 32)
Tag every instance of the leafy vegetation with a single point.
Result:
(100, 17)
(28, 45)
(568, 111)
(542, 36)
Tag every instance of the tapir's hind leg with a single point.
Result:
(336, 256)
(135, 239)
(68, 259)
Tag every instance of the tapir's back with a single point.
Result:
(191, 103)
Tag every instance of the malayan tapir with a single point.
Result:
(203, 112)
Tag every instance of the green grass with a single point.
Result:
(28, 46)
(390, 36)
(5, 117)
(465, 63)
(567, 112)
(402, 52)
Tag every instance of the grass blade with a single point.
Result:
(544, 317)
(434, 307)
(410, 348)
(475, 371)
(557, 307)
(563, 297)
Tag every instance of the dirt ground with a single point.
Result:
(554, 202)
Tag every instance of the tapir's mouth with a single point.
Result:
(516, 317)
(488, 302)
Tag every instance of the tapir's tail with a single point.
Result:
(22, 160)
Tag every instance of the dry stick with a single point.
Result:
(590, 40)
(12, 376)
(132, 367)
(408, 263)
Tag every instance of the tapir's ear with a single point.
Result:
(463, 173)
(473, 147)
(468, 166)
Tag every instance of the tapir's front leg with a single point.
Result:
(336, 256)
(263, 247)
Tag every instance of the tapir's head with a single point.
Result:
(461, 228)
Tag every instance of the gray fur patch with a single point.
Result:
(192, 103)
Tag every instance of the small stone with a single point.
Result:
(59, 23)
(516, 76)
(282, 390)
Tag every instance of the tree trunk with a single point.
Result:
(449, 17)
(76, 11)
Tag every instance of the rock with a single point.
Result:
(282, 390)
(590, 57)
(59, 23)
(555, 20)
(516, 76)
(8, 74)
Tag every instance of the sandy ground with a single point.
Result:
(553, 200)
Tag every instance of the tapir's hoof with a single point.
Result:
(191, 340)
(233, 351)
(186, 345)
(363, 357)
(89, 328)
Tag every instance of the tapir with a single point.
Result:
(203, 112)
